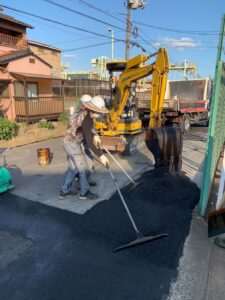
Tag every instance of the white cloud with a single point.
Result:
(70, 55)
(179, 44)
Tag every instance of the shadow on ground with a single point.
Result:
(69, 256)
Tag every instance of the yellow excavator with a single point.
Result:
(122, 124)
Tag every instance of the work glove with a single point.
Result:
(104, 160)
(97, 141)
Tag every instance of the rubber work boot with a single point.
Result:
(88, 196)
(92, 183)
(63, 196)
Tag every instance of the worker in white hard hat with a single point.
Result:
(80, 131)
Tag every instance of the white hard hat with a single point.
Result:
(85, 98)
(96, 104)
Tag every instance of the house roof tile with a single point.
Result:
(13, 20)
(13, 55)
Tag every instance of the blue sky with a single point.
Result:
(185, 16)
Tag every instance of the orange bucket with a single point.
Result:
(44, 156)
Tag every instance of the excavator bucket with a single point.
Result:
(166, 145)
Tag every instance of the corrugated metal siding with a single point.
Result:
(216, 137)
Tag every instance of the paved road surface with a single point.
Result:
(50, 253)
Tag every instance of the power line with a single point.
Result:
(44, 24)
(82, 14)
(197, 32)
(79, 48)
(56, 28)
(157, 48)
(60, 23)
(88, 46)
(69, 26)
(101, 10)
(76, 40)
(68, 41)
(95, 19)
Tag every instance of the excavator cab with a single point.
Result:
(122, 123)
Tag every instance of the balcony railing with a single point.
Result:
(37, 108)
(11, 41)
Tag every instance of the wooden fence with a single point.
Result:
(36, 108)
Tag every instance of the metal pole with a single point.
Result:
(112, 44)
(220, 46)
(128, 30)
(123, 201)
(128, 176)
(112, 38)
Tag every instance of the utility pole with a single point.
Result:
(131, 4)
(128, 30)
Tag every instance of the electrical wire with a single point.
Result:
(44, 24)
(197, 32)
(95, 19)
(69, 26)
(56, 28)
(62, 24)
(82, 14)
(76, 40)
(88, 46)
(101, 10)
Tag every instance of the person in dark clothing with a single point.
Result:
(80, 132)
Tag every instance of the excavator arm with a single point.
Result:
(135, 71)
(159, 79)
(164, 142)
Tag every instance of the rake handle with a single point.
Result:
(115, 160)
(123, 201)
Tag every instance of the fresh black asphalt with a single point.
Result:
(62, 255)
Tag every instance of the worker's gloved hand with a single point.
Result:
(97, 141)
(104, 161)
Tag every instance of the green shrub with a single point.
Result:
(7, 129)
(64, 119)
(45, 124)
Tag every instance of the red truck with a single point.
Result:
(186, 102)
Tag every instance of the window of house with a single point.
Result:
(4, 90)
(18, 89)
(56, 90)
(32, 89)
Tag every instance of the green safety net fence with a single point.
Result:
(216, 134)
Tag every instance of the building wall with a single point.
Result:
(51, 56)
(24, 65)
